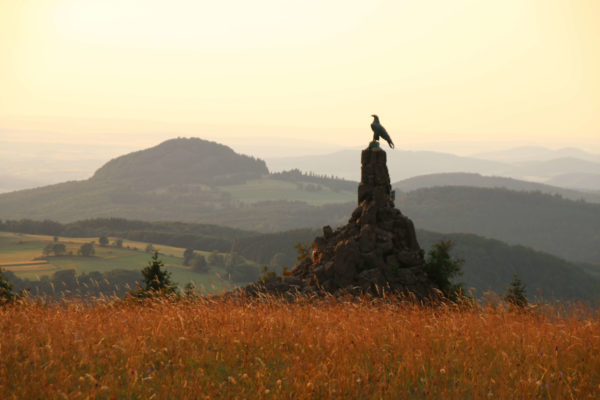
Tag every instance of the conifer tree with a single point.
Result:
(6, 293)
(516, 295)
(155, 278)
(441, 268)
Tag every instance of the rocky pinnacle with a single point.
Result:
(375, 252)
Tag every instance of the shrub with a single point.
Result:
(58, 249)
(199, 264)
(86, 250)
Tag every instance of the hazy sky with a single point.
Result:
(441, 74)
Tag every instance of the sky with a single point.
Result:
(461, 75)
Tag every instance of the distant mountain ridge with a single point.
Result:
(536, 153)
(581, 181)
(477, 180)
(9, 183)
(403, 164)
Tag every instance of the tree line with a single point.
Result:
(197, 236)
(332, 182)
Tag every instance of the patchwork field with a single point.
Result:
(271, 349)
(22, 253)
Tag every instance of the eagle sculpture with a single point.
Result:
(379, 131)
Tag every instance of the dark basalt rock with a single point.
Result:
(375, 252)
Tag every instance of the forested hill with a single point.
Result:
(491, 264)
(191, 180)
(477, 180)
(180, 161)
(568, 229)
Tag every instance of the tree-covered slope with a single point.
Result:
(477, 180)
(491, 264)
(568, 229)
(488, 264)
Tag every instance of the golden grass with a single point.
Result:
(304, 350)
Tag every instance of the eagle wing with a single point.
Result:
(380, 131)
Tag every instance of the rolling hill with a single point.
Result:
(489, 264)
(477, 180)
(187, 180)
(404, 164)
(568, 229)
(547, 170)
(584, 181)
(190, 161)
(536, 153)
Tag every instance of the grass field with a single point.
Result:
(272, 189)
(18, 253)
(272, 349)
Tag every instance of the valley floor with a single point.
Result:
(205, 348)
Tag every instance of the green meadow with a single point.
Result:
(23, 255)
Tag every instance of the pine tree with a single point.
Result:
(155, 278)
(6, 293)
(441, 268)
(516, 296)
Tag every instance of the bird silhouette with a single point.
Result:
(379, 131)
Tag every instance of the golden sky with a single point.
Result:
(496, 72)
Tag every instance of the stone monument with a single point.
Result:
(376, 252)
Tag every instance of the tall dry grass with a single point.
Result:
(304, 350)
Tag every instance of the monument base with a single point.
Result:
(374, 144)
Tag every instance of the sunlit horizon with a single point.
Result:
(462, 77)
